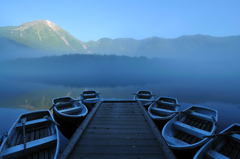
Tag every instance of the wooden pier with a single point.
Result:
(117, 129)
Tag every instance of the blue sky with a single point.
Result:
(94, 19)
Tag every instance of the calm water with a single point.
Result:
(18, 96)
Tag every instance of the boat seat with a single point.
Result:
(90, 95)
(70, 110)
(191, 130)
(87, 94)
(216, 155)
(163, 111)
(236, 137)
(148, 99)
(16, 151)
(91, 100)
(33, 122)
(202, 116)
(62, 101)
(167, 103)
(144, 95)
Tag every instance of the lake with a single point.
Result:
(18, 96)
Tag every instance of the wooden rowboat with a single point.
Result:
(33, 135)
(62, 100)
(145, 97)
(89, 94)
(90, 98)
(188, 130)
(164, 108)
(225, 145)
(69, 113)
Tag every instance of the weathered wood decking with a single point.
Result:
(119, 130)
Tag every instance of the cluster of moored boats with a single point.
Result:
(35, 134)
(192, 128)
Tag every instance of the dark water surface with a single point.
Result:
(7, 117)
(18, 96)
(21, 96)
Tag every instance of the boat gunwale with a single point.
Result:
(151, 99)
(11, 130)
(190, 146)
(155, 117)
(177, 102)
(204, 148)
(94, 92)
(73, 99)
(73, 116)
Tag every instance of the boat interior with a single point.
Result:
(70, 108)
(167, 103)
(160, 112)
(166, 106)
(192, 126)
(34, 136)
(62, 99)
(167, 100)
(144, 94)
(89, 94)
(226, 146)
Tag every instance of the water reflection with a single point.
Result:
(7, 117)
(32, 96)
(18, 97)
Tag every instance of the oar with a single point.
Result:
(222, 134)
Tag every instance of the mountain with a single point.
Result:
(202, 46)
(43, 35)
(46, 36)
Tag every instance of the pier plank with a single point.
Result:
(117, 129)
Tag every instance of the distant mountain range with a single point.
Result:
(43, 37)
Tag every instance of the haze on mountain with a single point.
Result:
(43, 37)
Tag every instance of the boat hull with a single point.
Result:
(67, 125)
(38, 137)
(69, 116)
(90, 102)
(217, 146)
(163, 111)
(181, 135)
(145, 99)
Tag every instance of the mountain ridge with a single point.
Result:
(47, 36)
(44, 35)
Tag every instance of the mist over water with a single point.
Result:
(193, 80)
(32, 83)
